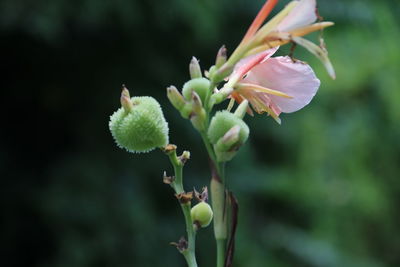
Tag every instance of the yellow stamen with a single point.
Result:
(311, 28)
(266, 46)
(259, 88)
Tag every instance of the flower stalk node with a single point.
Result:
(184, 197)
(203, 196)
(181, 245)
(168, 179)
(184, 157)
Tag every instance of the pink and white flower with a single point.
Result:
(289, 25)
(273, 84)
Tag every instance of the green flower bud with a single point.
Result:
(201, 214)
(221, 57)
(198, 115)
(175, 97)
(199, 85)
(194, 68)
(242, 109)
(227, 133)
(139, 125)
(187, 110)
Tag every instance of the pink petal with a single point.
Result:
(243, 63)
(297, 80)
(303, 14)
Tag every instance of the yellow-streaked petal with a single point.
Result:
(265, 46)
(258, 88)
(311, 28)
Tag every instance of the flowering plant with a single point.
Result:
(253, 78)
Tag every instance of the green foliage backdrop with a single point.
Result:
(322, 189)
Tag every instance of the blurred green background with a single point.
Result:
(322, 189)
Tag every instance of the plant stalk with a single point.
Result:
(177, 185)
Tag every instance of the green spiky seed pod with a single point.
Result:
(201, 214)
(139, 126)
(227, 133)
(199, 85)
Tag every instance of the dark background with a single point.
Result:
(322, 189)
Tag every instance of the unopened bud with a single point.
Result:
(227, 146)
(175, 97)
(201, 214)
(197, 104)
(198, 116)
(185, 156)
(199, 85)
(227, 133)
(126, 103)
(125, 99)
(242, 109)
(194, 68)
(125, 91)
(210, 73)
(230, 138)
(221, 57)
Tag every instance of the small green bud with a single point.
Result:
(194, 68)
(175, 97)
(221, 57)
(201, 214)
(125, 99)
(242, 109)
(229, 139)
(227, 146)
(198, 85)
(210, 73)
(222, 122)
(198, 115)
(227, 133)
(139, 125)
(187, 110)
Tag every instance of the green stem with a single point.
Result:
(218, 199)
(208, 146)
(177, 185)
(217, 187)
(221, 248)
(189, 254)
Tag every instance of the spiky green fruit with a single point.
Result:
(139, 126)
(201, 214)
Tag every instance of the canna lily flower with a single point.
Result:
(273, 84)
(289, 25)
(297, 20)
